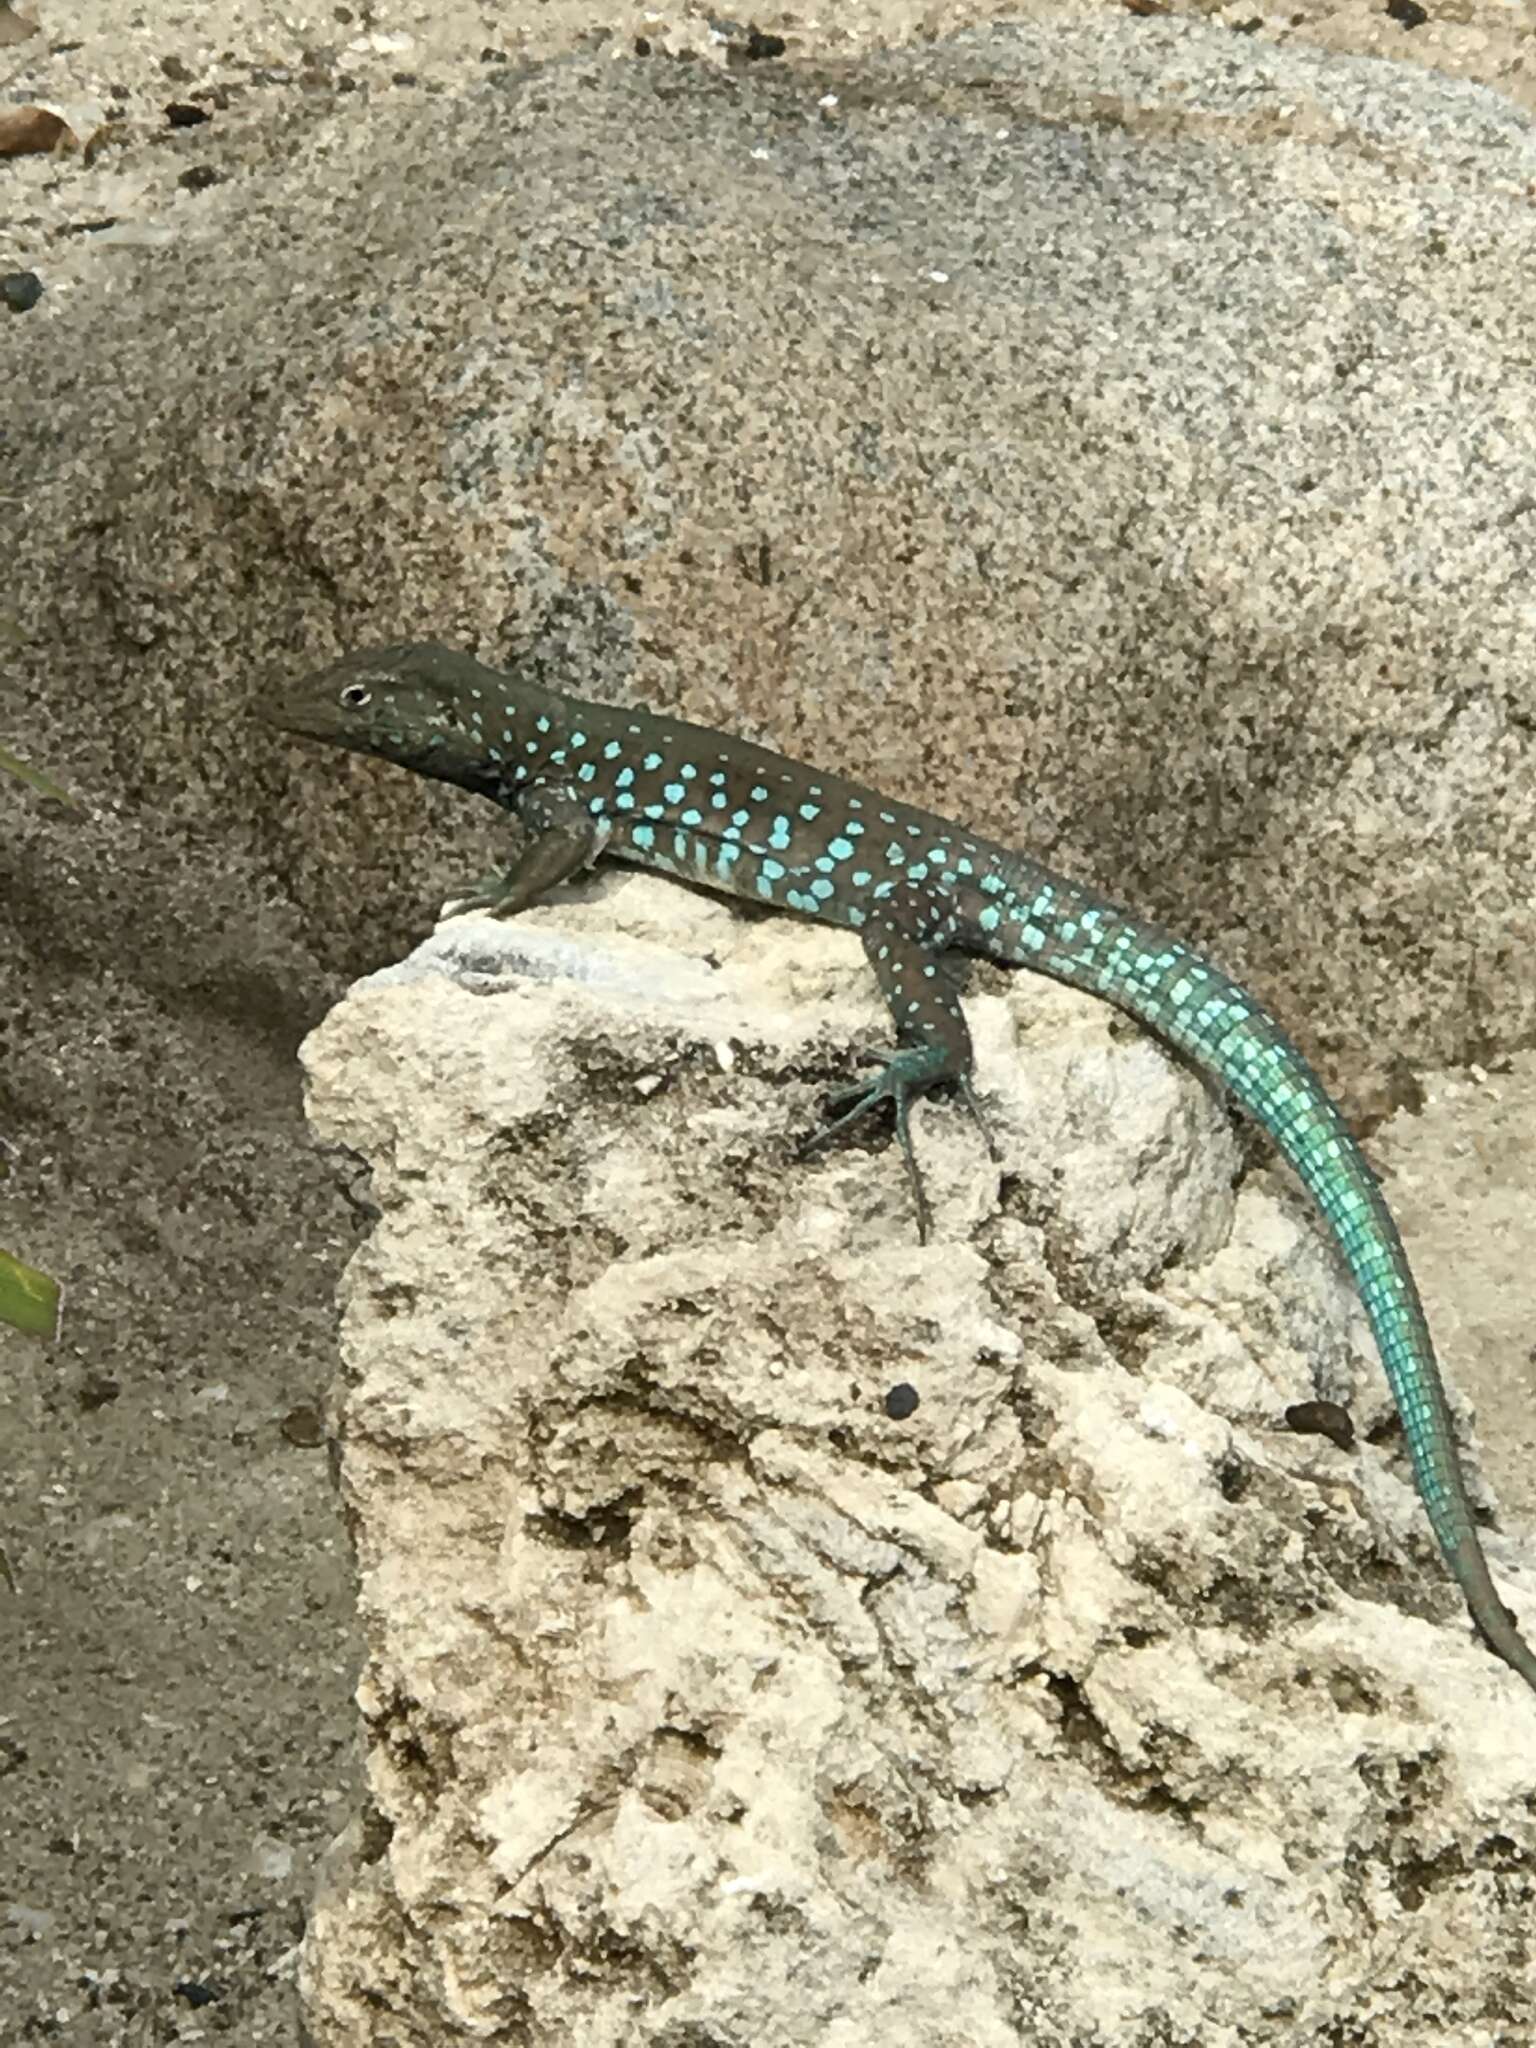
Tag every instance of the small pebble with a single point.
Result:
(21, 290)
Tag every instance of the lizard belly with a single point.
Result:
(734, 865)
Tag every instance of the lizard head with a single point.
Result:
(420, 704)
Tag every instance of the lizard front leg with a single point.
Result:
(565, 837)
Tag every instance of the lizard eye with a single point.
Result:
(356, 695)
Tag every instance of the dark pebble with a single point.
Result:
(21, 290)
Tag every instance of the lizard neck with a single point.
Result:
(501, 732)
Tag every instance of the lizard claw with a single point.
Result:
(972, 1102)
(482, 895)
(503, 894)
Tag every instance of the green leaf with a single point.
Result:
(28, 1299)
(9, 765)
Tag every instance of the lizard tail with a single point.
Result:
(1042, 921)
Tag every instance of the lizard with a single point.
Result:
(589, 781)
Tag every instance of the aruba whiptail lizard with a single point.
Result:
(592, 779)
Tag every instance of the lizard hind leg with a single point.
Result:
(904, 938)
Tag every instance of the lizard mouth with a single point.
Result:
(295, 708)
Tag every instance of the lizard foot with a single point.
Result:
(489, 893)
(903, 1077)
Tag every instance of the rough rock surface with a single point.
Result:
(709, 1702)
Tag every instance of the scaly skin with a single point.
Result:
(589, 780)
